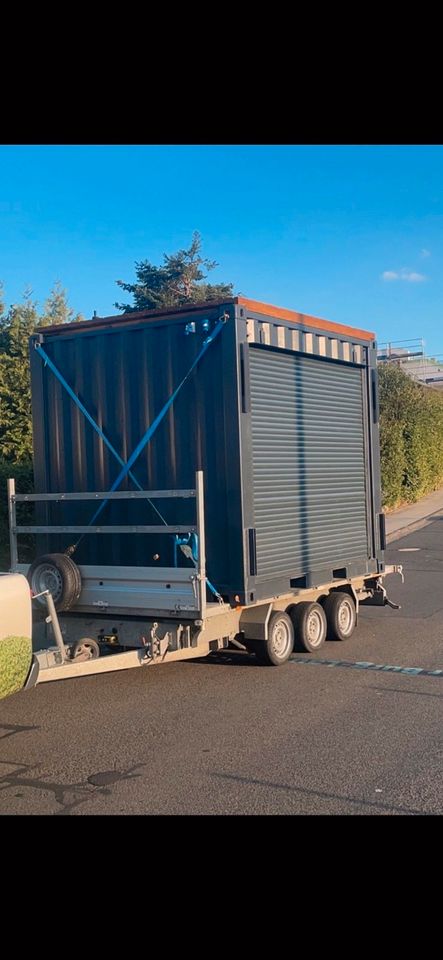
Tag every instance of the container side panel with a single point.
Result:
(124, 376)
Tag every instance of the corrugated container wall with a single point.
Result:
(280, 414)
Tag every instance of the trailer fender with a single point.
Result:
(254, 621)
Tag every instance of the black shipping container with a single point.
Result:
(280, 413)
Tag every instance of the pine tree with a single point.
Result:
(57, 309)
(16, 326)
(176, 282)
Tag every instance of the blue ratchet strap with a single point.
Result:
(191, 540)
(213, 590)
(151, 430)
(48, 362)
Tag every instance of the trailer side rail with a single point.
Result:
(194, 577)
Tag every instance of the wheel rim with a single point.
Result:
(314, 629)
(84, 651)
(346, 617)
(47, 577)
(281, 639)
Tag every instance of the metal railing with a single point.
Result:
(16, 529)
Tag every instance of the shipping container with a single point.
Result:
(280, 414)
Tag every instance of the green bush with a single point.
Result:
(392, 459)
(411, 437)
(15, 663)
(24, 479)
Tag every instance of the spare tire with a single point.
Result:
(60, 575)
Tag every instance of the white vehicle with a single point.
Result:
(18, 666)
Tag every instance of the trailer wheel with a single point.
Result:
(341, 615)
(85, 649)
(60, 575)
(310, 625)
(280, 643)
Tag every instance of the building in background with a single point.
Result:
(410, 355)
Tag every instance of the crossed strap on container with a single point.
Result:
(126, 466)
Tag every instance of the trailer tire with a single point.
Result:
(60, 575)
(277, 649)
(310, 625)
(341, 615)
(85, 649)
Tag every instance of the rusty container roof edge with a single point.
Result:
(254, 306)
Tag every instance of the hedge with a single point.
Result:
(411, 437)
(24, 477)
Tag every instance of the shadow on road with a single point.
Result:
(410, 693)
(389, 807)
(14, 728)
(238, 658)
(80, 791)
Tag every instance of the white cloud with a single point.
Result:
(413, 277)
(425, 253)
(409, 275)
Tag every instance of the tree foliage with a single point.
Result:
(57, 309)
(411, 437)
(179, 280)
(16, 326)
(23, 475)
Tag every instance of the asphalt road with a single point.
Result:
(226, 736)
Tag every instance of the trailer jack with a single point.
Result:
(52, 618)
(378, 596)
(390, 603)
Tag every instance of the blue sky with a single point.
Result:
(350, 233)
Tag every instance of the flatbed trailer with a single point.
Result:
(125, 618)
(248, 631)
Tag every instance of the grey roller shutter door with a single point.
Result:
(308, 453)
